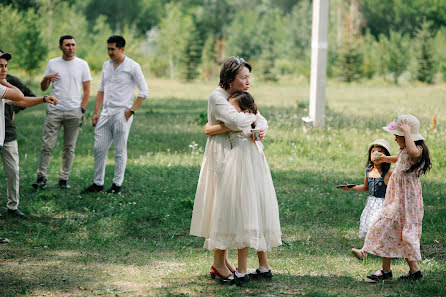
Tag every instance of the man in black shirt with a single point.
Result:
(9, 152)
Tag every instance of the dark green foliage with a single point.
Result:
(33, 51)
(349, 61)
(425, 55)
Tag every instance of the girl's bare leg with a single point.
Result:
(386, 263)
(227, 263)
(413, 265)
(242, 260)
(263, 259)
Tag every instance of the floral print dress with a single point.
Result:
(397, 231)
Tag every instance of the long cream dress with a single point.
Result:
(397, 231)
(248, 213)
(217, 147)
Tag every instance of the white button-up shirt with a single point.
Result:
(118, 85)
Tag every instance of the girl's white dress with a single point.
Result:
(248, 214)
(217, 146)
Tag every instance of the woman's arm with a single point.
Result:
(234, 120)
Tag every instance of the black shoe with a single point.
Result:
(380, 275)
(240, 280)
(40, 183)
(17, 213)
(261, 275)
(94, 188)
(115, 189)
(412, 276)
(63, 184)
(4, 241)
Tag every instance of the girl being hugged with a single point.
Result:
(248, 215)
(397, 231)
(376, 178)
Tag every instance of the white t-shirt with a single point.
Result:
(2, 114)
(68, 89)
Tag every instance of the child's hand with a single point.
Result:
(346, 188)
(404, 126)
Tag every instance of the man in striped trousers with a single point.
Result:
(119, 77)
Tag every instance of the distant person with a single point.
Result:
(67, 74)
(377, 175)
(119, 77)
(247, 213)
(10, 153)
(397, 231)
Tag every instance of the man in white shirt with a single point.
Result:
(67, 74)
(119, 77)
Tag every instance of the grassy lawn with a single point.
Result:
(138, 243)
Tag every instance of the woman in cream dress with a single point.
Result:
(234, 77)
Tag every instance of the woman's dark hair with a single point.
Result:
(118, 40)
(385, 166)
(424, 164)
(246, 102)
(228, 72)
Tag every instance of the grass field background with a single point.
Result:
(138, 243)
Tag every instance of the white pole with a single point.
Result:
(319, 48)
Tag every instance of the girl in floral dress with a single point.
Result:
(397, 231)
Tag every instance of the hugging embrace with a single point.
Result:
(235, 202)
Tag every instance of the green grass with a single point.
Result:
(138, 244)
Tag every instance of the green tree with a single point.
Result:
(350, 60)
(208, 57)
(394, 53)
(174, 37)
(11, 18)
(244, 39)
(425, 57)
(33, 50)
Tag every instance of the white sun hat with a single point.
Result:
(412, 121)
(381, 142)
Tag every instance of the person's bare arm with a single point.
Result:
(47, 79)
(387, 159)
(387, 177)
(412, 150)
(99, 101)
(85, 94)
(12, 93)
(360, 188)
(215, 129)
(128, 113)
(33, 101)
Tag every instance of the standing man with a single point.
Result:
(67, 74)
(120, 75)
(10, 153)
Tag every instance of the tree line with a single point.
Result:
(188, 39)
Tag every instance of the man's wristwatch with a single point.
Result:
(132, 110)
(83, 110)
(43, 99)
